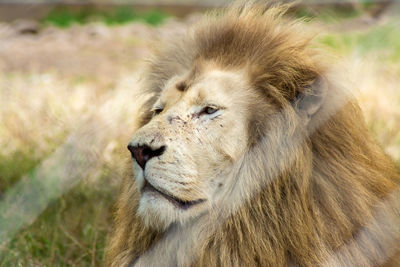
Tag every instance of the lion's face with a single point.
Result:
(198, 130)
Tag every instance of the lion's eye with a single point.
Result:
(209, 110)
(157, 111)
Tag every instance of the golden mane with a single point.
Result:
(327, 196)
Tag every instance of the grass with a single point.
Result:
(71, 232)
(65, 18)
(73, 229)
(14, 166)
(382, 40)
(328, 15)
(41, 111)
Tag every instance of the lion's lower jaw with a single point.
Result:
(159, 214)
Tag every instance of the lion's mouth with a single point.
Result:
(182, 204)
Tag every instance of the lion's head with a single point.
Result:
(197, 131)
(209, 112)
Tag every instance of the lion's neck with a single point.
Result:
(179, 245)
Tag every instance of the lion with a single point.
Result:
(252, 153)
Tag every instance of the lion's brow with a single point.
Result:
(181, 86)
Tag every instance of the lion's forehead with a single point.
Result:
(211, 85)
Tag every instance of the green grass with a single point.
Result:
(327, 15)
(65, 18)
(13, 167)
(383, 41)
(71, 231)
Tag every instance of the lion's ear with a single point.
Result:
(308, 102)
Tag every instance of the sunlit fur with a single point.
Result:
(303, 192)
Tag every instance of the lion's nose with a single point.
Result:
(144, 153)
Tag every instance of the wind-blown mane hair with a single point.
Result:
(315, 194)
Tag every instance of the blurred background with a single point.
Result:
(69, 83)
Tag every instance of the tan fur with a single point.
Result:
(315, 193)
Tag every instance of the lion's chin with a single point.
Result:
(159, 211)
(148, 188)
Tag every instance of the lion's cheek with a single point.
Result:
(234, 143)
